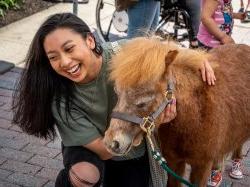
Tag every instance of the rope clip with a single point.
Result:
(148, 125)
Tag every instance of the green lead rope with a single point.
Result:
(162, 162)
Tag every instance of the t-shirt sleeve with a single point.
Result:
(75, 129)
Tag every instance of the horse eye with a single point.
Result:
(141, 105)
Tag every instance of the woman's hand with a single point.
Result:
(170, 112)
(207, 73)
(226, 39)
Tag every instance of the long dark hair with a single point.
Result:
(40, 84)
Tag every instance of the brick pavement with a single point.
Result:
(29, 161)
(24, 160)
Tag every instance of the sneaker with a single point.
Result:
(236, 171)
(215, 178)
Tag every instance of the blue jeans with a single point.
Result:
(143, 18)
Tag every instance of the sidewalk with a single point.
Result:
(29, 161)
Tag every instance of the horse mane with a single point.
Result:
(142, 60)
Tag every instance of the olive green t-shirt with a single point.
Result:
(95, 101)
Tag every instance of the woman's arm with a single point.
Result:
(206, 18)
(98, 147)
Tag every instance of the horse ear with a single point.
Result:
(171, 56)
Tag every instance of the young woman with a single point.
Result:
(65, 84)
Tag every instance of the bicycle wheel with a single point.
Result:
(111, 24)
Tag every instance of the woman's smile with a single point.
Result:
(71, 56)
(75, 71)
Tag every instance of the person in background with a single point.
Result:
(217, 23)
(143, 18)
(65, 85)
(193, 8)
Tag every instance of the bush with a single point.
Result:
(7, 4)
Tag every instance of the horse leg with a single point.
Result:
(218, 164)
(237, 154)
(200, 173)
(178, 168)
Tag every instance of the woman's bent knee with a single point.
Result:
(62, 179)
(84, 174)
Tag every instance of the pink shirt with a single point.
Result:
(223, 18)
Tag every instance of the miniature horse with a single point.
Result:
(211, 121)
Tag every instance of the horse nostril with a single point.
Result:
(115, 145)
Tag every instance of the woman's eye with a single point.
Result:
(69, 49)
(52, 58)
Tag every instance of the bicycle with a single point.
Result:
(174, 21)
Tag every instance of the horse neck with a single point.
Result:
(188, 83)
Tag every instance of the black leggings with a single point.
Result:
(128, 173)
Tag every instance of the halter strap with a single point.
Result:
(151, 118)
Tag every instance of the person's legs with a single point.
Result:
(194, 8)
(82, 168)
(241, 4)
(62, 179)
(242, 8)
(141, 17)
(84, 173)
(129, 173)
(156, 18)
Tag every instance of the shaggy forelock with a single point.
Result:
(143, 59)
(140, 60)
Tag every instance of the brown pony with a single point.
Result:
(211, 121)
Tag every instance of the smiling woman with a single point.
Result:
(66, 83)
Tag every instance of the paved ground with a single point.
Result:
(29, 161)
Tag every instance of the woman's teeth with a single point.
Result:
(74, 69)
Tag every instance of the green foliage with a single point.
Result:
(7, 4)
